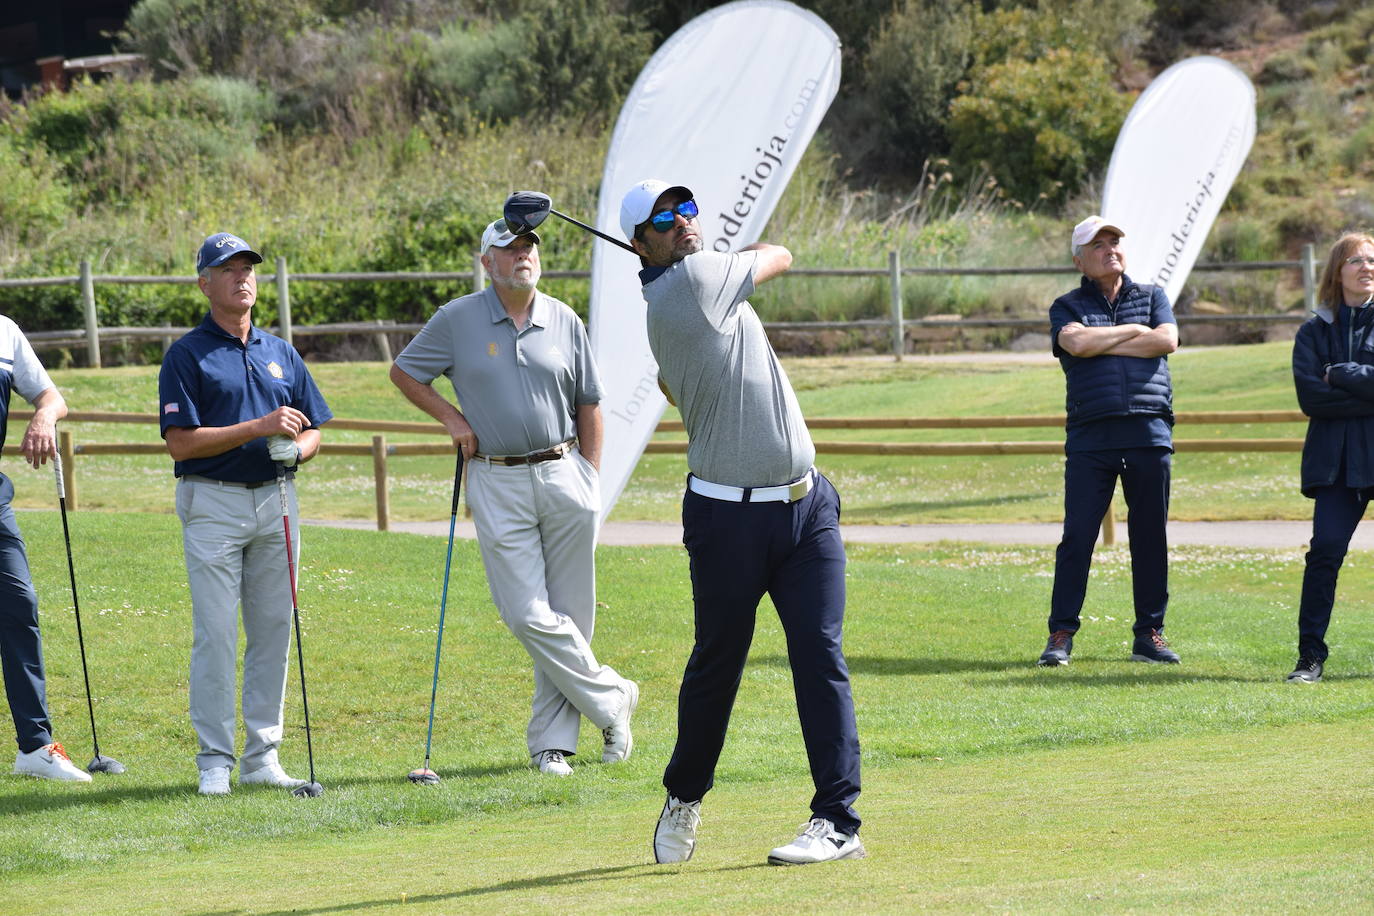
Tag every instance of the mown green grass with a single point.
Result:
(884, 490)
(1212, 786)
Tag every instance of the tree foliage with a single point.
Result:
(921, 51)
(1039, 127)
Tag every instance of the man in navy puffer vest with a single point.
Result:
(1113, 337)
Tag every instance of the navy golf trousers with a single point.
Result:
(1089, 479)
(1336, 512)
(21, 649)
(792, 552)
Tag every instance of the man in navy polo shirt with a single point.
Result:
(1113, 337)
(237, 404)
(21, 647)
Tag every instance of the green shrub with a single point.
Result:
(33, 199)
(1039, 127)
(182, 37)
(1117, 28)
(910, 72)
(569, 56)
(117, 137)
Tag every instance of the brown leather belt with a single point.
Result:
(510, 461)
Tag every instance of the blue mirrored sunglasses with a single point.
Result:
(663, 219)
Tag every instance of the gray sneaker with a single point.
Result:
(675, 836)
(1057, 650)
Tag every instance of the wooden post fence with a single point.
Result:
(88, 309)
(381, 483)
(380, 450)
(894, 269)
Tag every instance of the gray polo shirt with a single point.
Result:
(519, 390)
(744, 427)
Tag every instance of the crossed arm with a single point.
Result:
(1079, 340)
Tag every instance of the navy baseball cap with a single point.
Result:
(220, 247)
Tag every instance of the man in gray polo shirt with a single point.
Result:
(757, 518)
(530, 427)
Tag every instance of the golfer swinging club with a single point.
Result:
(530, 430)
(235, 402)
(757, 518)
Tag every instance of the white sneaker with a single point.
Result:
(551, 763)
(675, 837)
(270, 774)
(214, 781)
(818, 841)
(618, 742)
(49, 762)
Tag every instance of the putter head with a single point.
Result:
(526, 210)
(309, 790)
(423, 777)
(102, 764)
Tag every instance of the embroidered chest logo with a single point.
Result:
(493, 349)
(275, 370)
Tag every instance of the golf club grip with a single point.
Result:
(457, 481)
(596, 232)
(57, 472)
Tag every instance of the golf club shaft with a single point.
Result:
(596, 232)
(295, 612)
(76, 602)
(443, 602)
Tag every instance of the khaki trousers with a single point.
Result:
(236, 557)
(536, 527)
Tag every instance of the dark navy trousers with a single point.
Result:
(21, 649)
(793, 553)
(1334, 516)
(1089, 479)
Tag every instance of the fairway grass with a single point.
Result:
(1225, 824)
(1105, 786)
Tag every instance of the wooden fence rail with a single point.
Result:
(381, 450)
(91, 335)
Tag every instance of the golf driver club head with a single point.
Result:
(423, 777)
(309, 790)
(102, 764)
(526, 210)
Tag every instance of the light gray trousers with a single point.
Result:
(236, 554)
(536, 526)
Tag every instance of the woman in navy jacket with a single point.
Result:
(1333, 369)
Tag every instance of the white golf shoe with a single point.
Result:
(49, 762)
(270, 774)
(551, 763)
(214, 781)
(675, 837)
(818, 841)
(616, 737)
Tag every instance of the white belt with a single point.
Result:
(786, 493)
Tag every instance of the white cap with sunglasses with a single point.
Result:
(638, 203)
(498, 235)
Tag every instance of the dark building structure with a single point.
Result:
(43, 42)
